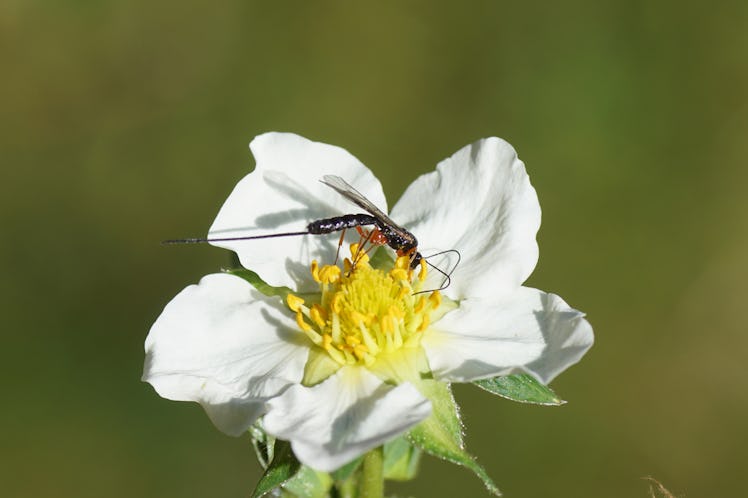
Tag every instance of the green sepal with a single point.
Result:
(308, 483)
(282, 468)
(319, 366)
(263, 444)
(382, 258)
(347, 470)
(259, 283)
(440, 435)
(401, 459)
(521, 387)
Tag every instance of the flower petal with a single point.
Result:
(284, 194)
(480, 202)
(340, 419)
(228, 347)
(529, 331)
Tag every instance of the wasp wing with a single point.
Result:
(349, 192)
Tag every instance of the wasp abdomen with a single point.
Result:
(329, 225)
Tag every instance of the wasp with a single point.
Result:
(384, 232)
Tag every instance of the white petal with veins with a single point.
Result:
(343, 417)
(480, 202)
(528, 331)
(284, 194)
(225, 345)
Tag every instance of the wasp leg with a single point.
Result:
(366, 238)
(340, 243)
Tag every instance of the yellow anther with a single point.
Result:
(326, 342)
(402, 263)
(315, 271)
(294, 302)
(420, 304)
(404, 291)
(329, 274)
(435, 299)
(364, 311)
(334, 353)
(424, 271)
(318, 315)
(360, 350)
(301, 322)
(335, 304)
(345, 348)
(399, 274)
(362, 259)
(356, 317)
(425, 321)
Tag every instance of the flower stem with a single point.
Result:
(372, 476)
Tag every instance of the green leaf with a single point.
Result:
(440, 434)
(521, 387)
(401, 459)
(309, 483)
(258, 283)
(282, 468)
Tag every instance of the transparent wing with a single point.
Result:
(346, 190)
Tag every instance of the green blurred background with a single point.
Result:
(126, 123)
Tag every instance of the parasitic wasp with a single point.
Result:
(384, 232)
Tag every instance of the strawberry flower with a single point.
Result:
(334, 357)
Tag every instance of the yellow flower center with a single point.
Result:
(363, 311)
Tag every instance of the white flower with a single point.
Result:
(335, 368)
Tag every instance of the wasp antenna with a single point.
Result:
(182, 241)
(447, 279)
(459, 257)
(447, 276)
(446, 283)
(227, 239)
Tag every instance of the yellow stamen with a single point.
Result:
(329, 274)
(362, 311)
(356, 317)
(420, 305)
(326, 342)
(359, 351)
(302, 323)
(423, 271)
(294, 302)
(318, 315)
(402, 262)
(435, 299)
(399, 274)
(335, 303)
(425, 319)
(315, 271)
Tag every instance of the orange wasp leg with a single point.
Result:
(372, 237)
(340, 243)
